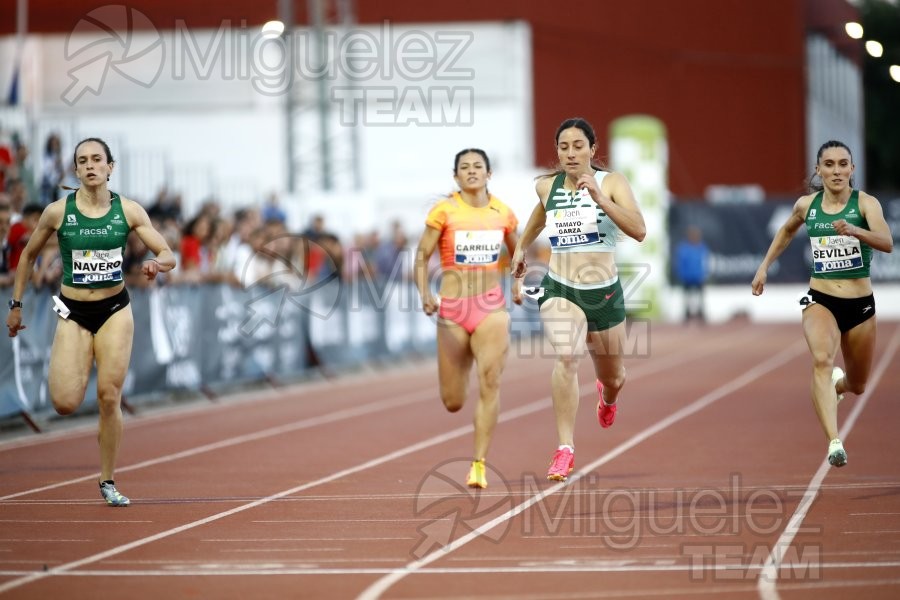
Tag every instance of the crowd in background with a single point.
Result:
(252, 245)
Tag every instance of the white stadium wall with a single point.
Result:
(200, 112)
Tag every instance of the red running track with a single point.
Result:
(710, 484)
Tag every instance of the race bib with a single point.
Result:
(570, 227)
(477, 247)
(836, 253)
(94, 266)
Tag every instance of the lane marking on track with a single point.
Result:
(307, 423)
(670, 361)
(611, 566)
(786, 488)
(768, 577)
(235, 400)
(380, 586)
(538, 405)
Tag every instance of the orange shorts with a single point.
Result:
(470, 311)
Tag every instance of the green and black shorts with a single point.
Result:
(603, 303)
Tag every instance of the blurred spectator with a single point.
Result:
(318, 254)
(195, 260)
(220, 270)
(136, 251)
(331, 262)
(211, 209)
(6, 277)
(25, 172)
(392, 260)
(20, 232)
(360, 263)
(691, 260)
(167, 207)
(316, 229)
(7, 164)
(48, 269)
(237, 252)
(53, 171)
(272, 211)
(259, 264)
(18, 198)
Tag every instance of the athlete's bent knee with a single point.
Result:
(452, 404)
(66, 406)
(854, 387)
(616, 381)
(453, 399)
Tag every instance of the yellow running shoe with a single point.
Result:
(477, 478)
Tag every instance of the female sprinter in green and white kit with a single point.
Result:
(844, 225)
(95, 323)
(585, 208)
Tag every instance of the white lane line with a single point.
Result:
(612, 566)
(380, 586)
(409, 398)
(153, 415)
(68, 521)
(768, 577)
(527, 409)
(340, 415)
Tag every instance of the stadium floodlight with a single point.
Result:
(874, 48)
(895, 72)
(273, 29)
(854, 30)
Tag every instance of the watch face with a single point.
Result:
(14, 304)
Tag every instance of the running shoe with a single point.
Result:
(477, 478)
(837, 456)
(111, 494)
(606, 413)
(837, 374)
(562, 464)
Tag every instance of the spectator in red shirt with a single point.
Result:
(20, 232)
(6, 277)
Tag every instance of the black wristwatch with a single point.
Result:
(15, 304)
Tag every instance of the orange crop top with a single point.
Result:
(471, 238)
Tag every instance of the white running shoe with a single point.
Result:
(111, 494)
(837, 374)
(837, 456)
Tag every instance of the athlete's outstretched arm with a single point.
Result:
(782, 239)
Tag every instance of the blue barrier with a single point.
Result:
(202, 337)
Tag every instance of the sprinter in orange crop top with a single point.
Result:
(470, 228)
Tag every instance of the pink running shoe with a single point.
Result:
(606, 413)
(562, 464)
